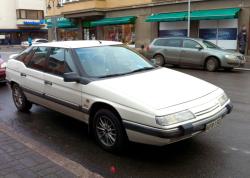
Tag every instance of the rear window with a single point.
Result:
(168, 42)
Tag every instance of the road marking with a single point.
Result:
(56, 158)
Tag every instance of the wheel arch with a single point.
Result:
(212, 56)
(101, 105)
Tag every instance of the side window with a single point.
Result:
(174, 42)
(160, 42)
(26, 55)
(69, 63)
(38, 60)
(190, 44)
(56, 64)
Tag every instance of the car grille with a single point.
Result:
(207, 110)
(241, 57)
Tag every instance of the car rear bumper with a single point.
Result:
(155, 136)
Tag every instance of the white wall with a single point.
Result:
(31, 4)
(8, 14)
(213, 24)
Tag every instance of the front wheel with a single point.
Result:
(108, 131)
(212, 64)
(20, 101)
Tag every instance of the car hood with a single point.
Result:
(157, 89)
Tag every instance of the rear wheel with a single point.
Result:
(20, 101)
(212, 64)
(108, 130)
(159, 59)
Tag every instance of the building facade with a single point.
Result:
(140, 21)
(20, 19)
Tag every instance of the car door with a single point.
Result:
(65, 97)
(191, 53)
(172, 50)
(32, 76)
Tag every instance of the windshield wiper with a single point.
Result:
(134, 71)
(112, 75)
(142, 69)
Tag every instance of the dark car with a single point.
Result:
(2, 70)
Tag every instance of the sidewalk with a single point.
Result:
(20, 158)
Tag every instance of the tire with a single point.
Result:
(159, 59)
(108, 131)
(20, 101)
(212, 64)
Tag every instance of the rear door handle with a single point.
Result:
(23, 75)
(47, 82)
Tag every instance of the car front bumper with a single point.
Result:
(155, 136)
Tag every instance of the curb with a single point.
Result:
(71, 166)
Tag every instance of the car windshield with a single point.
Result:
(109, 61)
(209, 44)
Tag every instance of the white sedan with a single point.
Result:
(118, 93)
(35, 41)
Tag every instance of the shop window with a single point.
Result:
(40, 15)
(122, 33)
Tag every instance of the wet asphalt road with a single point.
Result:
(222, 152)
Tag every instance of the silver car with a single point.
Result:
(193, 52)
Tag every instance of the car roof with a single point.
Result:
(183, 38)
(78, 44)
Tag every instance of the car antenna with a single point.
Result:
(100, 41)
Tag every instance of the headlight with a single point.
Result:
(230, 56)
(3, 65)
(223, 99)
(174, 118)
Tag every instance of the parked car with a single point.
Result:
(2, 70)
(117, 92)
(193, 52)
(35, 41)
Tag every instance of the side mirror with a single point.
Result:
(199, 47)
(71, 77)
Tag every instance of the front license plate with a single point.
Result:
(213, 124)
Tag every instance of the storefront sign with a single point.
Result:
(173, 33)
(31, 22)
(60, 22)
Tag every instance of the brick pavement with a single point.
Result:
(21, 157)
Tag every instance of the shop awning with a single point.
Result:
(167, 17)
(113, 21)
(216, 14)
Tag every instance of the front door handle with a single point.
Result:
(23, 75)
(47, 82)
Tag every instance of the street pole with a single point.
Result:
(189, 14)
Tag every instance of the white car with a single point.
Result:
(118, 93)
(35, 41)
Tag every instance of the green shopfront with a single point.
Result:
(219, 26)
(113, 29)
(65, 29)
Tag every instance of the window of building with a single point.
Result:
(30, 14)
(39, 58)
